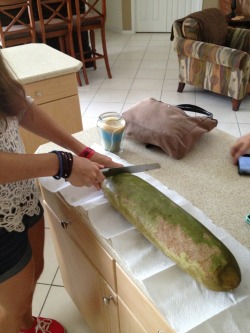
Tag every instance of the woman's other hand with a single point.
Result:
(241, 146)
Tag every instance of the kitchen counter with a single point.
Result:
(37, 61)
(206, 177)
(209, 182)
(49, 77)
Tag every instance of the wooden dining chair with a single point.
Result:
(55, 22)
(16, 23)
(90, 15)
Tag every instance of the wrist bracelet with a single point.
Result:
(65, 164)
(87, 152)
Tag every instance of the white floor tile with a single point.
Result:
(111, 95)
(125, 63)
(222, 114)
(40, 295)
(124, 73)
(232, 129)
(134, 96)
(243, 116)
(97, 108)
(132, 53)
(142, 84)
(58, 279)
(174, 98)
(208, 98)
(244, 128)
(59, 306)
(151, 64)
(172, 73)
(117, 83)
(156, 56)
(150, 74)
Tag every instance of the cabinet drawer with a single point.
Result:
(52, 89)
(81, 235)
(141, 307)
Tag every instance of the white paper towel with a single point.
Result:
(188, 306)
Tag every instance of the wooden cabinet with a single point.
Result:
(58, 97)
(104, 294)
(145, 316)
(128, 322)
(92, 294)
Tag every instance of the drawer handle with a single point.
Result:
(65, 224)
(39, 93)
(106, 300)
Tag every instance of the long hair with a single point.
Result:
(12, 94)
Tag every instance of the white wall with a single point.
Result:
(210, 4)
(114, 15)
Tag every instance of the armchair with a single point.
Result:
(212, 55)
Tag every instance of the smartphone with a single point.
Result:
(244, 165)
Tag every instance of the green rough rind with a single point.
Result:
(170, 228)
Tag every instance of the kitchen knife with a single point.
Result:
(107, 172)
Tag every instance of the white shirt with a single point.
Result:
(21, 197)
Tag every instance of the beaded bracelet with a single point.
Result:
(87, 152)
(65, 164)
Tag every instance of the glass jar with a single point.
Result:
(111, 127)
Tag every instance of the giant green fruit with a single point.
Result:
(174, 231)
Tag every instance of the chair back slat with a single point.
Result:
(49, 10)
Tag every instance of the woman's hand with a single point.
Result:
(86, 173)
(106, 161)
(241, 146)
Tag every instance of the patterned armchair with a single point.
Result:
(212, 55)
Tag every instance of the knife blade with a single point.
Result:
(107, 172)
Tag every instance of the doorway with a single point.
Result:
(159, 15)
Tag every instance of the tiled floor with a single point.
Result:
(143, 65)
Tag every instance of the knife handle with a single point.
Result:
(104, 171)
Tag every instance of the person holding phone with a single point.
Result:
(240, 147)
(21, 213)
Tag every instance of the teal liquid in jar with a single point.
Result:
(111, 127)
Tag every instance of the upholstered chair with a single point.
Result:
(212, 55)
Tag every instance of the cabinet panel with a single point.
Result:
(66, 112)
(81, 234)
(139, 305)
(52, 89)
(110, 301)
(80, 278)
(128, 322)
